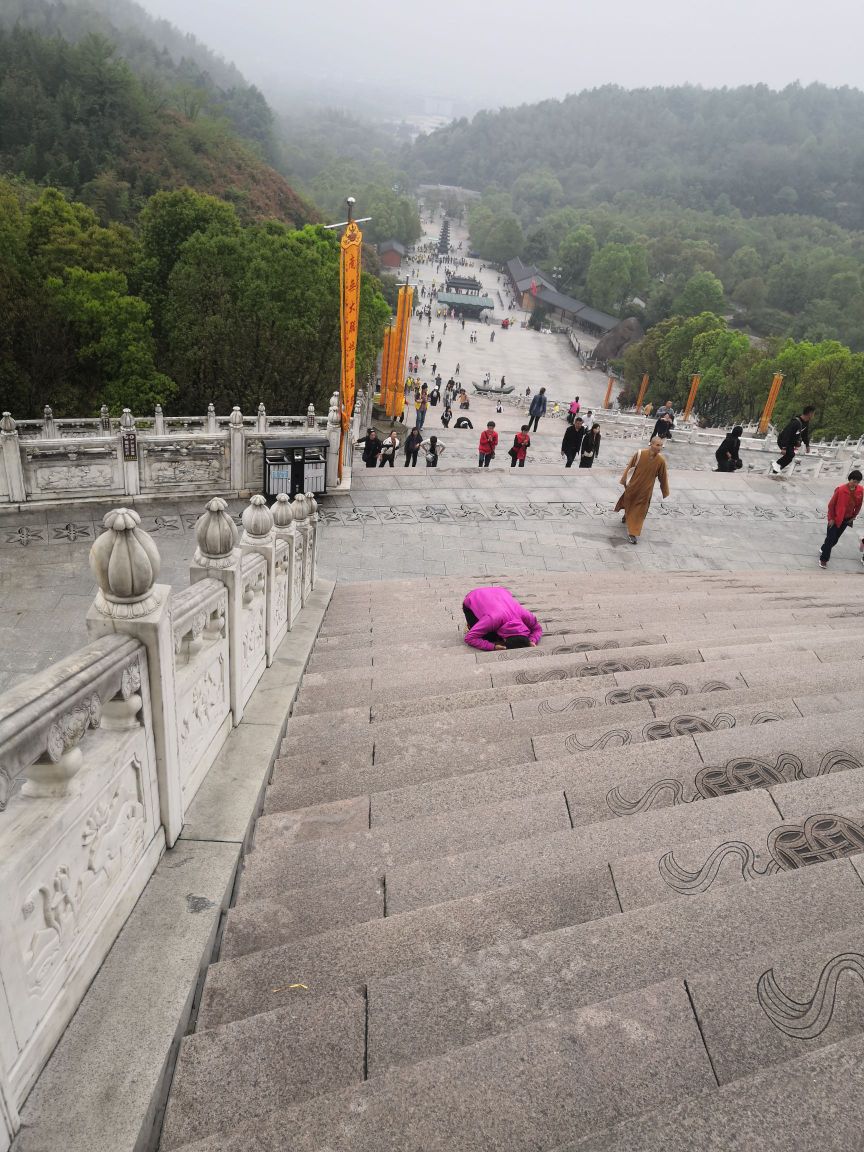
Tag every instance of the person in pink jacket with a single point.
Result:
(496, 619)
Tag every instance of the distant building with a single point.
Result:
(391, 253)
(526, 280)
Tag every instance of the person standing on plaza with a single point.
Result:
(727, 455)
(843, 507)
(573, 411)
(447, 415)
(421, 405)
(589, 450)
(432, 450)
(796, 433)
(572, 442)
(537, 409)
(488, 444)
(647, 465)
(389, 448)
(412, 446)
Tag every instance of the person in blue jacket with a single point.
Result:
(537, 409)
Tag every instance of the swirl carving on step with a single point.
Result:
(746, 772)
(690, 883)
(614, 738)
(807, 1019)
(645, 692)
(544, 676)
(617, 804)
(574, 704)
(686, 725)
(821, 838)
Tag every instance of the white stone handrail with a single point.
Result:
(102, 754)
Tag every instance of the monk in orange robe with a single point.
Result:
(647, 465)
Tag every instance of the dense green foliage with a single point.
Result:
(760, 189)
(736, 374)
(190, 307)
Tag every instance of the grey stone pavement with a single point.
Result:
(415, 523)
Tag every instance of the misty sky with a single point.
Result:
(508, 52)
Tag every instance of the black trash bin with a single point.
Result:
(295, 464)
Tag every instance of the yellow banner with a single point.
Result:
(349, 296)
(386, 397)
(400, 360)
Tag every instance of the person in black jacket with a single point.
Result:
(796, 432)
(371, 448)
(572, 441)
(412, 446)
(590, 450)
(726, 455)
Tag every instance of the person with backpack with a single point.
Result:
(843, 507)
(488, 444)
(521, 444)
(389, 449)
(574, 434)
(413, 441)
(590, 448)
(537, 409)
(432, 450)
(796, 433)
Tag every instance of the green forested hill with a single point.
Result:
(758, 150)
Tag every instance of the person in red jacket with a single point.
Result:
(843, 507)
(488, 444)
(521, 444)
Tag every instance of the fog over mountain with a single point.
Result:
(485, 54)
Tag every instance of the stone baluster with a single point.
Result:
(262, 418)
(301, 519)
(258, 536)
(11, 454)
(158, 421)
(10, 1121)
(315, 521)
(334, 430)
(49, 428)
(105, 419)
(218, 556)
(238, 450)
(284, 529)
(310, 416)
(129, 453)
(210, 424)
(125, 562)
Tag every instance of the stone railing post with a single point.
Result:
(11, 452)
(218, 556)
(238, 450)
(334, 428)
(310, 416)
(258, 536)
(10, 1121)
(315, 521)
(105, 420)
(49, 428)
(126, 563)
(262, 418)
(210, 423)
(283, 524)
(301, 520)
(129, 453)
(158, 421)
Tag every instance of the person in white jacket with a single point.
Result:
(432, 450)
(389, 448)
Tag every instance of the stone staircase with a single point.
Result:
(601, 894)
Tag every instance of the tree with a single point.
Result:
(702, 293)
(575, 254)
(608, 280)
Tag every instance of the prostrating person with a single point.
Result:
(843, 507)
(727, 455)
(647, 465)
(496, 620)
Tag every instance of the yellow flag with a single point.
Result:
(349, 295)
